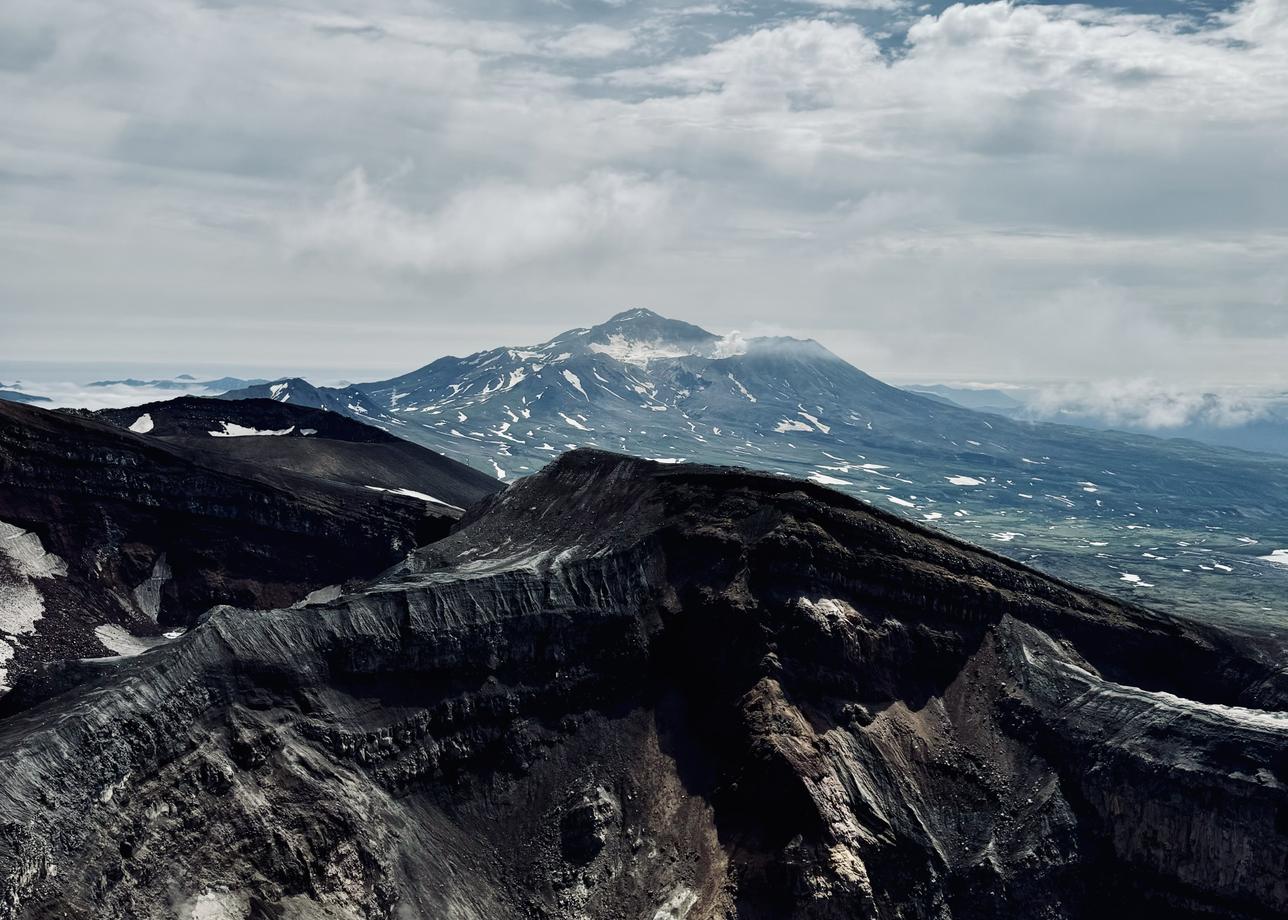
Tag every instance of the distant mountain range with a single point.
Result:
(9, 392)
(1193, 525)
(185, 382)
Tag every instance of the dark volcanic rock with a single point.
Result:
(316, 442)
(627, 690)
(108, 536)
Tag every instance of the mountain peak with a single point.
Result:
(641, 325)
(639, 313)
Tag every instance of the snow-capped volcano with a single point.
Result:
(639, 382)
(1092, 506)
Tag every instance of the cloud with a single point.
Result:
(492, 226)
(590, 40)
(1149, 405)
(993, 189)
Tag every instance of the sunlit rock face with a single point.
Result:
(626, 689)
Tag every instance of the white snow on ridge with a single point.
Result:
(412, 493)
(142, 424)
(276, 389)
(233, 430)
(900, 501)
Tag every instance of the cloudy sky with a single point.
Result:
(992, 190)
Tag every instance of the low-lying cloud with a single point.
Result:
(1150, 406)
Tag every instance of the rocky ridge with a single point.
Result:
(623, 689)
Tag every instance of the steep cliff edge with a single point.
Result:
(627, 690)
(110, 539)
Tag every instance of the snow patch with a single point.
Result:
(1278, 557)
(21, 604)
(741, 389)
(814, 421)
(143, 424)
(964, 480)
(122, 642)
(574, 423)
(320, 596)
(824, 480)
(412, 493)
(576, 382)
(638, 352)
(790, 424)
(233, 430)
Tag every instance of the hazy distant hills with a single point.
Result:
(1159, 518)
(1248, 422)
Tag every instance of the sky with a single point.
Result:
(992, 191)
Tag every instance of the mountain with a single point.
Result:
(628, 689)
(183, 382)
(325, 445)
(17, 396)
(350, 400)
(1174, 521)
(1267, 431)
(112, 540)
(983, 400)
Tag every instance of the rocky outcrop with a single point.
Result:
(626, 690)
(145, 534)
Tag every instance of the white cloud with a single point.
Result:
(1147, 404)
(590, 40)
(492, 226)
(955, 197)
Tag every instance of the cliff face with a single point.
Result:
(626, 690)
(109, 539)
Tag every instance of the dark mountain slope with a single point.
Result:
(273, 435)
(622, 690)
(109, 537)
